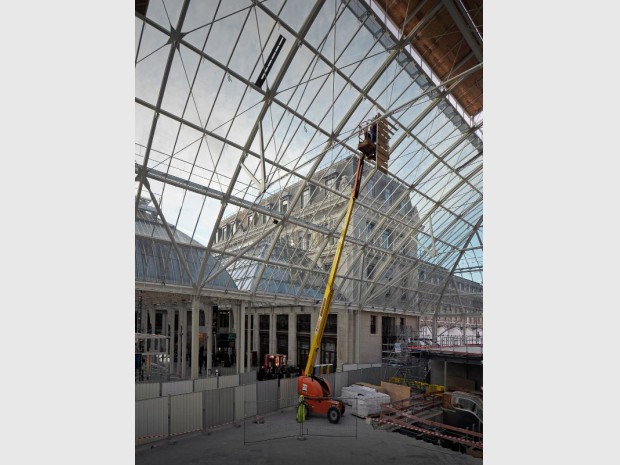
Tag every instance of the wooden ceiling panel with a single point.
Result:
(441, 42)
(474, 10)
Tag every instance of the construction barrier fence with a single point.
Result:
(168, 409)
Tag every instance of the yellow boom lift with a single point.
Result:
(316, 391)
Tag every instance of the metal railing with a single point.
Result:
(461, 340)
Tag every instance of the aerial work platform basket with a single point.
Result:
(374, 141)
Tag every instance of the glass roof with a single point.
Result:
(259, 174)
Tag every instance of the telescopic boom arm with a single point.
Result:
(329, 290)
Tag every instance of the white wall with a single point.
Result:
(370, 344)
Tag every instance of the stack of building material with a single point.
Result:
(363, 400)
(372, 386)
(395, 391)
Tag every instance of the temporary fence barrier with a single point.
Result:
(247, 378)
(205, 384)
(178, 411)
(357, 366)
(151, 420)
(228, 381)
(172, 388)
(267, 396)
(186, 413)
(368, 375)
(287, 392)
(245, 395)
(148, 390)
(341, 380)
(219, 407)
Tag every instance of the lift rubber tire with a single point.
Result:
(333, 415)
(343, 409)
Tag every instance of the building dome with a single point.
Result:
(157, 261)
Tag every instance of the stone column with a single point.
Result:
(342, 338)
(152, 342)
(256, 344)
(236, 329)
(164, 331)
(170, 334)
(143, 326)
(292, 337)
(152, 320)
(314, 316)
(272, 332)
(174, 338)
(195, 321)
(183, 340)
(358, 319)
(248, 348)
(240, 341)
(210, 338)
(143, 319)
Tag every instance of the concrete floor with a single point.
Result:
(357, 442)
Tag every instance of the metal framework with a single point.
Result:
(212, 146)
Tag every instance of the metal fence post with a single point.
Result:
(169, 418)
(234, 402)
(204, 411)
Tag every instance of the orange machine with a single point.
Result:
(318, 397)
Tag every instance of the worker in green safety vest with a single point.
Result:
(301, 410)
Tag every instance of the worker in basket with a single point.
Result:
(373, 130)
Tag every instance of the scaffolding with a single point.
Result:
(412, 366)
(429, 412)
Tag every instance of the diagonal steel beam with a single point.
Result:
(456, 263)
(239, 253)
(389, 262)
(146, 184)
(434, 267)
(364, 94)
(249, 152)
(413, 13)
(292, 266)
(175, 36)
(266, 104)
(394, 207)
(291, 209)
(464, 28)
